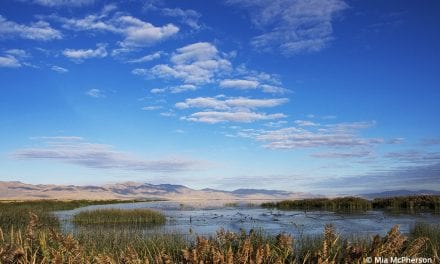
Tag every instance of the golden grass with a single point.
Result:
(41, 246)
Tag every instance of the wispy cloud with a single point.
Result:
(414, 156)
(431, 141)
(292, 26)
(95, 93)
(188, 17)
(151, 108)
(146, 58)
(175, 89)
(14, 58)
(343, 155)
(330, 135)
(79, 55)
(59, 69)
(408, 177)
(100, 156)
(39, 30)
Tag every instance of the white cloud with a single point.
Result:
(9, 61)
(158, 90)
(250, 84)
(292, 26)
(343, 155)
(305, 123)
(39, 30)
(235, 109)
(340, 135)
(146, 58)
(96, 93)
(100, 156)
(151, 108)
(174, 89)
(194, 64)
(136, 33)
(81, 54)
(238, 103)
(60, 3)
(213, 117)
(59, 69)
(239, 84)
(183, 88)
(139, 33)
(140, 72)
(19, 53)
(14, 58)
(189, 17)
(273, 89)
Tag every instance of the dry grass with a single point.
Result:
(39, 246)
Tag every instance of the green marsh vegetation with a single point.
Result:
(119, 217)
(336, 204)
(16, 213)
(352, 204)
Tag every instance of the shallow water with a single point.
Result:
(207, 219)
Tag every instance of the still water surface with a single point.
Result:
(207, 219)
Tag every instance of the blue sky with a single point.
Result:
(323, 96)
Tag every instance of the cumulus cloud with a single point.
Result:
(234, 109)
(292, 26)
(243, 103)
(64, 3)
(100, 156)
(59, 69)
(183, 88)
(139, 33)
(213, 117)
(239, 84)
(80, 55)
(40, 30)
(9, 61)
(136, 32)
(194, 64)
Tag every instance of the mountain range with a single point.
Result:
(15, 190)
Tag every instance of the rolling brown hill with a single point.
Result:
(132, 190)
